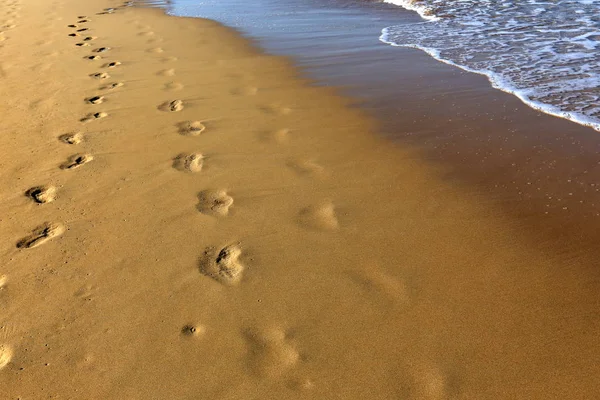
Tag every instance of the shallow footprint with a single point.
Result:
(320, 217)
(94, 116)
(167, 72)
(171, 106)
(172, 86)
(376, 281)
(223, 266)
(41, 235)
(76, 161)
(271, 354)
(111, 86)
(189, 162)
(306, 167)
(214, 202)
(191, 128)
(42, 194)
(5, 355)
(100, 75)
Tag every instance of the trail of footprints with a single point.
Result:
(271, 354)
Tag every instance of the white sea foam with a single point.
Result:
(547, 53)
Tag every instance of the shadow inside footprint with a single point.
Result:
(223, 266)
(41, 235)
(42, 194)
(76, 161)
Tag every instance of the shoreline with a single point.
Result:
(220, 226)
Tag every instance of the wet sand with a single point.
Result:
(185, 216)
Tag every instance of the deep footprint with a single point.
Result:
(192, 162)
(76, 161)
(214, 202)
(42, 194)
(223, 266)
(112, 86)
(95, 100)
(41, 235)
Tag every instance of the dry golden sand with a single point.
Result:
(183, 217)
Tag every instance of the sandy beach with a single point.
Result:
(187, 217)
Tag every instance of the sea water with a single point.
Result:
(547, 53)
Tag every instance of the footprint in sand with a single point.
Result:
(193, 330)
(111, 86)
(95, 100)
(171, 106)
(276, 109)
(149, 33)
(191, 128)
(6, 355)
(71, 138)
(423, 381)
(94, 116)
(166, 72)
(90, 38)
(101, 49)
(189, 162)
(42, 194)
(100, 75)
(319, 217)
(112, 64)
(76, 161)
(83, 21)
(306, 167)
(214, 202)
(155, 50)
(93, 58)
(245, 91)
(41, 235)
(172, 86)
(74, 34)
(376, 281)
(82, 44)
(271, 354)
(82, 30)
(223, 265)
(72, 26)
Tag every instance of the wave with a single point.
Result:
(545, 53)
